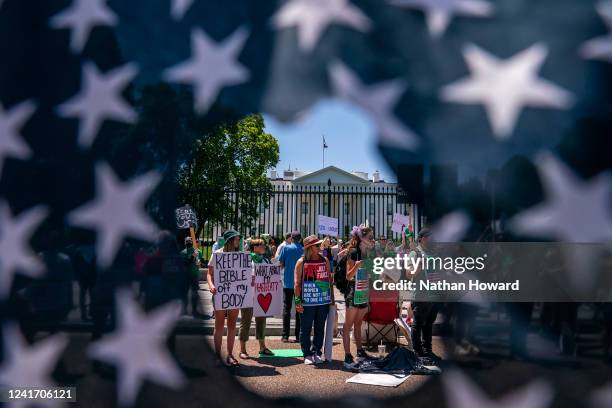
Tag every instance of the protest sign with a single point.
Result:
(362, 287)
(400, 222)
(268, 290)
(233, 277)
(315, 284)
(328, 226)
(186, 217)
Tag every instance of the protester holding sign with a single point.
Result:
(313, 295)
(231, 239)
(361, 244)
(258, 256)
(191, 261)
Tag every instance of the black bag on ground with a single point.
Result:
(401, 360)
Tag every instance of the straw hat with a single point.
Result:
(311, 240)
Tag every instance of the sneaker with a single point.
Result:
(317, 359)
(285, 340)
(308, 360)
(349, 363)
(430, 354)
(362, 354)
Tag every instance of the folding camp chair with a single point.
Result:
(380, 319)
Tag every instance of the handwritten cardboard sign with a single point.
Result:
(268, 296)
(186, 217)
(233, 277)
(400, 222)
(328, 226)
(315, 284)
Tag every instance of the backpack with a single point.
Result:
(340, 280)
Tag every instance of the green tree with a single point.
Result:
(229, 160)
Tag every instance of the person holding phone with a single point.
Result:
(360, 245)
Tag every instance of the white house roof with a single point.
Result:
(333, 173)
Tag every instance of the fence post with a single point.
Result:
(236, 210)
(329, 183)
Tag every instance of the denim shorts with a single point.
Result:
(349, 297)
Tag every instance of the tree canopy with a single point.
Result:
(232, 156)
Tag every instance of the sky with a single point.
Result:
(349, 133)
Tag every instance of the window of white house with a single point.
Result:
(304, 207)
(280, 208)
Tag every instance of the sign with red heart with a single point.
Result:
(268, 290)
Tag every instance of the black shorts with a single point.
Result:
(349, 297)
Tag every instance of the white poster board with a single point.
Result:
(328, 226)
(233, 278)
(400, 222)
(383, 380)
(268, 298)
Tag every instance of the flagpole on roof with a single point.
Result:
(324, 147)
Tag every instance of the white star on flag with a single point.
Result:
(378, 101)
(212, 66)
(29, 365)
(11, 122)
(440, 12)
(460, 392)
(81, 17)
(312, 17)
(15, 252)
(451, 227)
(138, 349)
(100, 99)
(179, 8)
(600, 47)
(117, 211)
(505, 87)
(574, 210)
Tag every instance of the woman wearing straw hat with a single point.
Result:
(318, 279)
(232, 244)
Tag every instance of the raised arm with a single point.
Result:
(352, 267)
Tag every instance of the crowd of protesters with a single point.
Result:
(166, 272)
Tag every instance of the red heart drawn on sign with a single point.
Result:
(264, 301)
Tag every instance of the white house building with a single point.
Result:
(352, 197)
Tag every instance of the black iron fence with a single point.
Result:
(287, 208)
